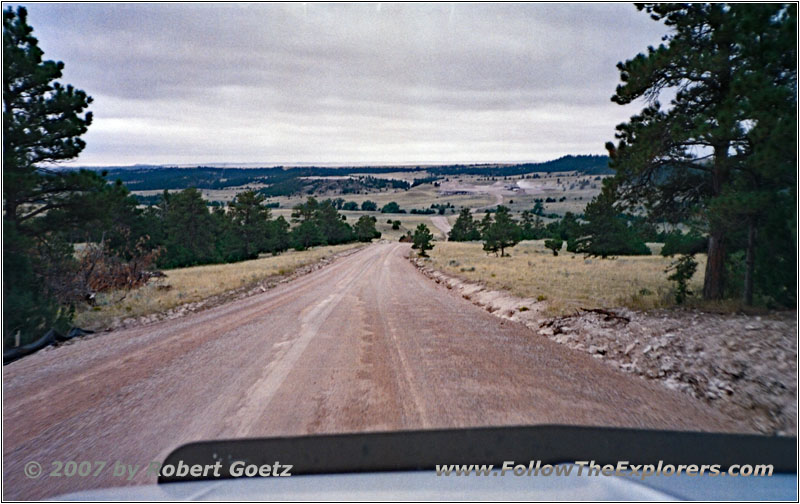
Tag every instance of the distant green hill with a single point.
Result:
(589, 165)
(142, 178)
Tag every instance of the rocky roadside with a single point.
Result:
(745, 366)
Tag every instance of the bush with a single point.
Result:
(391, 207)
(369, 206)
(682, 271)
(554, 244)
(679, 243)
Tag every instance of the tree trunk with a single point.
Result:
(713, 283)
(715, 267)
(10, 210)
(750, 263)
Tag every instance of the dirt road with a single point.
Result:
(366, 343)
(441, 222)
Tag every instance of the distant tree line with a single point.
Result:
(289, 180)
(188, 234)
(425, 180)
(300, 186)
(586, 165)
(600, 232)
(204, 177)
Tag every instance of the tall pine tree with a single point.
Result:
(42, 124)
(733, 74)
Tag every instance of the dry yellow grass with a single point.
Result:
(187, 285)
(408, 222)
(567, 282)
(417, 197)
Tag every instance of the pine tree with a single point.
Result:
(190, 231)
(502, 233)
(365, 229)
(485, 224)
(279, 238)
(606, 233)
(554, 244)
(307, 234)
(465, 228)
(727, 143)
(251, 220)
(42, 123)
(422, 240)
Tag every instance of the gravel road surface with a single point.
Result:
(441, 222)
(364, 344)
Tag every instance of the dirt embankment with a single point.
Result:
(745, 366)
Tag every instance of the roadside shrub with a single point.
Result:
(679, 243)
(682, 271)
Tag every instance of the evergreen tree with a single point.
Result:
(391, 207)
(570, 230)
(727, 143)
(278, 237)
(531, 225)
(679, 243)
(251, 219)
(369, 206)
(606, 233)
(465, 228)
(330, 222)
(485, 223)
(229, 239)
(307, 234)
(190, 231)
(502, 233)
(554, 244)
(365, 229)
(305, 211)
(422, 240)
(43, 121)
(326, 220)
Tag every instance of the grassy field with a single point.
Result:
(421, 196)
(567, 282)
(555, 185)
(408, 222)
(187, 285)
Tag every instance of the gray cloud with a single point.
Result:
(185, 83)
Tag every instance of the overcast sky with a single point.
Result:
(344, 83)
